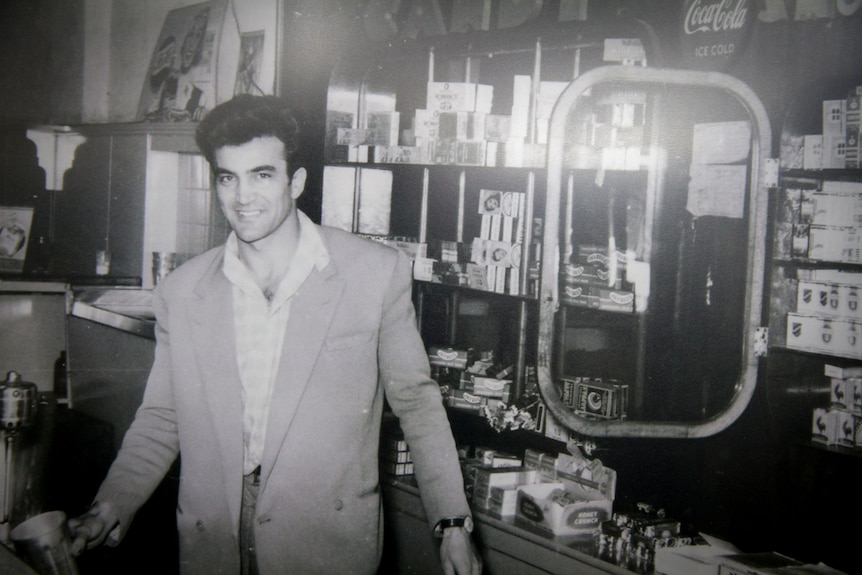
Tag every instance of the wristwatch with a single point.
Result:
(464, 521)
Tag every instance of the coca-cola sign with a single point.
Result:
(714, 32)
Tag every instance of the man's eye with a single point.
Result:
(264, 175)
(224, 179)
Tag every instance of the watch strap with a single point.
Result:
(446, 522)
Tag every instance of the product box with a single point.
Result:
(460, 399)
(603, 400)
(614, 299)
(489, 387)
(835, 244)
(835, 209)
(826, 298)
(845, 428)
(426, 124)
(448, 357)
(833, 117)
(580, 474)
(502, 502)
(834, 152)
(812, 152)
(461, 125)
(450, 251)
(823, 334)
(401, 155)
(497, 128)
(598, 255)
(487, 477)
(579, 295)
(382, 128)
(459, 97)
(585, 274)
(824, 426)
(459, 153)
(351, 136)
(492, 459)
(550, 507)
(423, 269)
(817, 297)
(841, 394)
(449, 274)
(854, 391)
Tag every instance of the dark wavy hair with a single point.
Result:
(244, 118)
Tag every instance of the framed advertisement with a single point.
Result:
(181, 78)
(15, 225)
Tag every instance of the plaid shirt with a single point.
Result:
(260, 325)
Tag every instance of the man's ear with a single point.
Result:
(297, 183)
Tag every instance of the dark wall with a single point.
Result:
(41, 61)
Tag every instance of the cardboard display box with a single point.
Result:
(550, 507)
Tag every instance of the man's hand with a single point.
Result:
(93, 527)
(458, 555)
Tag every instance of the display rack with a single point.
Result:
(436, 190)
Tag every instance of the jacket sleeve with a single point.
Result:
(151, 444)
(416, 400)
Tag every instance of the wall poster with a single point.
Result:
(14, 236)
(181, 79)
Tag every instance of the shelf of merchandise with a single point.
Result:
(433, 199)
(787, 262)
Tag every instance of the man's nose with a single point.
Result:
(244, 192)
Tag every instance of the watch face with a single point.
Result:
(468, 524)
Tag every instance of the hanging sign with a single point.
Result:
(714, 32)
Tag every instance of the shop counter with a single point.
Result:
(410, 547)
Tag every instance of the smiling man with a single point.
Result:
(274, 354)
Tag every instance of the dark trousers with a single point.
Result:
(248, 555)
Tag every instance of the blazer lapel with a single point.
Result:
(311, 313)
(213, 339)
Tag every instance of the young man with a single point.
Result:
(273, 356)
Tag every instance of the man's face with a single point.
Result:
(254, 189)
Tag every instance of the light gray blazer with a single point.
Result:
(351, 337)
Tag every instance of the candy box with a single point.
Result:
(824, 426)
(448, 357)
(550, 507)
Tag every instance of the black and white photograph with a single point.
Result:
(430, 287)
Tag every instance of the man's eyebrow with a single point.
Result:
(254, 170)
